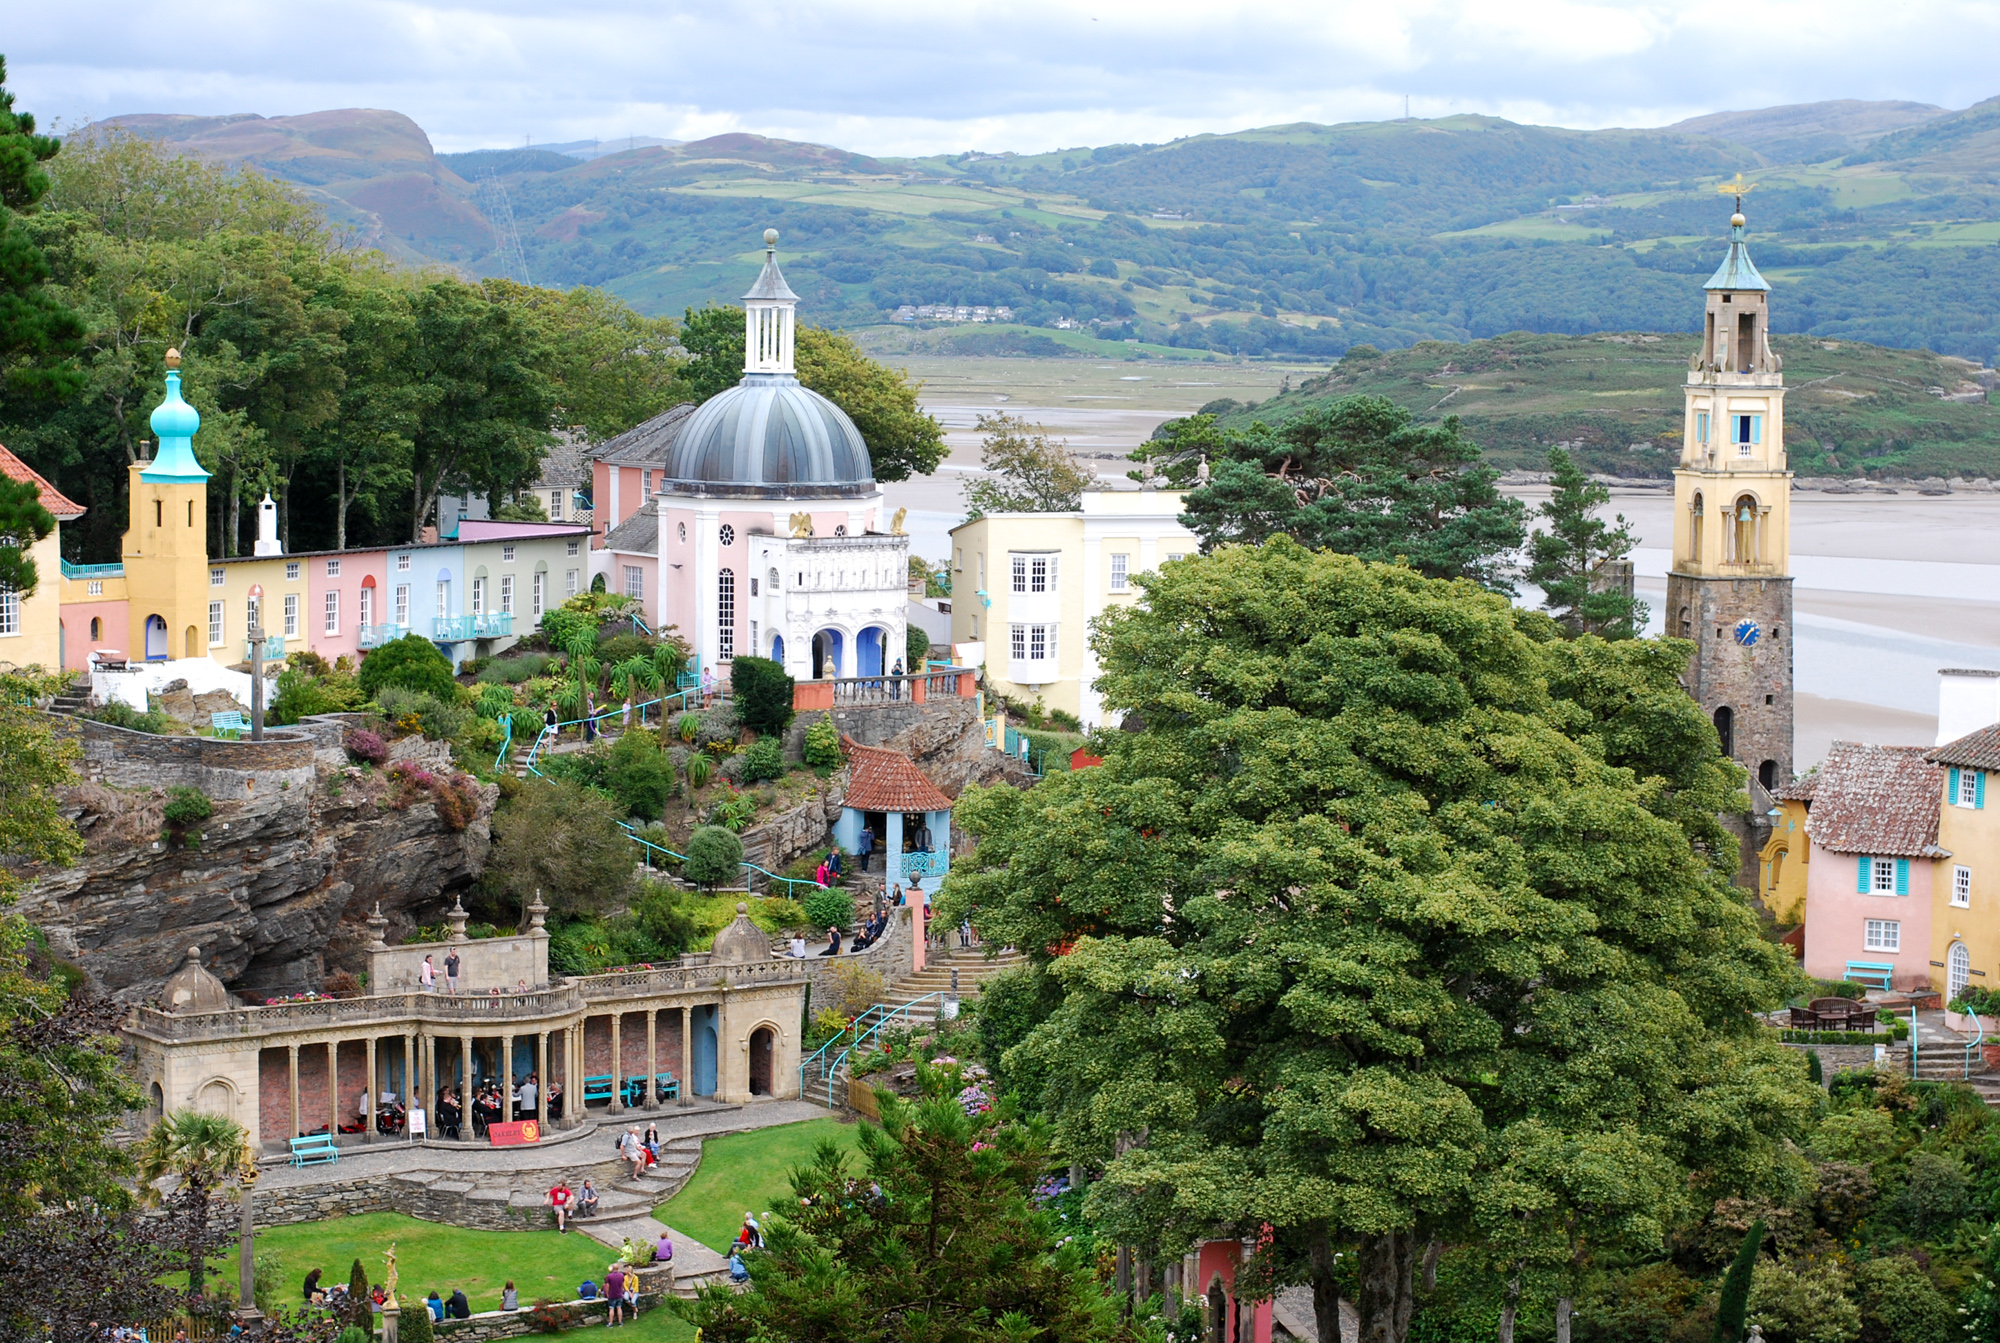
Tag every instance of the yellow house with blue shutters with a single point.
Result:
(1965, 906)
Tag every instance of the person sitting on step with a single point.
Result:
(586, 1199)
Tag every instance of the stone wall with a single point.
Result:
(1842, 1058)
(889, 957)
(453, 1202)
(513, 1323)
(944, 736)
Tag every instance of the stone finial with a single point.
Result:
(538, 913)
(193, 989)
(378, 925)
(457, 919)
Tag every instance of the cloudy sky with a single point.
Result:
(919, 76)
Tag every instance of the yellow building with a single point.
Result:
(31, 629)
(166, 540)
(1781, 871)
(1025, 587)
(1965, 899)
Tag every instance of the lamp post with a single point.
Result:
(257, 681)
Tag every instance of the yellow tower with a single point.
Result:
(1729, 588)
(166, 539)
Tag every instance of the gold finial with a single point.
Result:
(173, 358)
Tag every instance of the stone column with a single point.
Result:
(506, 1076)
(542, 1074)
(617, 1066)
(368, 1096)
(652, 1054)
(687, 1055)
(465, 1078)
(333, 1088)
(410, 1070)
(722, 1044)
(293, 1052)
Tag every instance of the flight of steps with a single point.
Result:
(1941, 1062)
(74, 699)
(973, 969)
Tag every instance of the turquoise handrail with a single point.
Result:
(507, 721)
(632, 832)
(1972, 1048)
(875, 1018)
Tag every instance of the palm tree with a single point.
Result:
(633, 677)
(202, 1152)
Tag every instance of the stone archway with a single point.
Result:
(829, 648)
(763, 1052)
(156, 640)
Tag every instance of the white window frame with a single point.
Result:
(506, 554)
(292, 571)
(1020, 570)
(1961, 887)
(333, 568)
(575, 547)
(570, 588)
(367, 607)
(479, 596)
(94, 588)
(1968, 788)
(215, 624)
(555, 505)
(635, 581)
(1882, 935)
(291, 615)
(217, 577)
(725, 614)
(1881, 876)
(539, 591)
(253, 614)
(402, 564)
(10, 612)
(333, 610)
(506, 594)
(402, 606)
(1120, 578)
(444, 599)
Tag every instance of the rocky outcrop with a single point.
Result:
(943, 736)
(274, 885)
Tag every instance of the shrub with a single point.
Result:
(1800, 1300)
(715, 855)
(639, 774)
(1935, 1193)
(411, 662)
(186, 809)
(367, 747)
(763, 694)
(120, 714)
(700, 770)
(663, 916)
(851, 988)
(1840, 988)
(733, 812)
(415, 1325)
(688, 727)
(440, 719)
(353, 1333)
(564, 840)
(1738, 1286)
(493, 701)
(303, 692)
(764, 760)
(1900, 1304)
(916, 647)
(823, 743)
(830, 907)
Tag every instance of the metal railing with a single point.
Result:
(824, 1064)
(374, 636)
(1972, 1048)
(92, 570)
(791, 883)
(486, 625)
(274, 648)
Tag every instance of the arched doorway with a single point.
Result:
(156, 639)
(157, 1099)
(703, 1070)
(1218, 1311)
(763, 1044)
(1957, 976)
(1725, 729)
(1767, 774)
(188, 640)
(829, 646)
(869, 646)
(778, 649)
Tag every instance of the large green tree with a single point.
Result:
(1568, 559)
(38, 334)
(1396, 898)
(1357, 475)
(1026, 470)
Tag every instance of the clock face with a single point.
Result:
(1747, 632)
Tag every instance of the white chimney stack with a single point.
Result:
(267, 527)
(1968, 699)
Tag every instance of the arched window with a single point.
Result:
(725, 613)
(1725, 729)
(1694, 531)
(1767, 774)
(1687, 624)
(1743, 529)
(96, 629)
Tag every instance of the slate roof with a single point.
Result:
(52, 498)
(649, 444)
(1975, 750)
(1877, 800)
(639, 533)
(771, 281)
(883, 780)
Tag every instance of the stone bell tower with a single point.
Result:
(1729, 588)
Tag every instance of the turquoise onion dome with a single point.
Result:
(175, 421)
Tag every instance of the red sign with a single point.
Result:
(514, 1135)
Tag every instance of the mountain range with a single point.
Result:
(1876, 221)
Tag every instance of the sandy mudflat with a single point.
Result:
(1818, 722)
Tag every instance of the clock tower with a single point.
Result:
(1729, 587)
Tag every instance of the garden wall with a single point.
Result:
(1843, 1058)
(493, 1324)
(453, 1202)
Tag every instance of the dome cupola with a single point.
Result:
(175, 421)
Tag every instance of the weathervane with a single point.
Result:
(1739, 189)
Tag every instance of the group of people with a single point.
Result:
(642, 1152)
(427, 973)
(334, 1295)
(621, 1290)
(456, 1308)
(569, 1204)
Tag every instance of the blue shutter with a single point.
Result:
(1951, 797)
(1756, 428)
(1902, 876)
(1979, 789)
(1861, 881)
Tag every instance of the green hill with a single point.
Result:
(1615, 401)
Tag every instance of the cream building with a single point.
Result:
(1026, 587)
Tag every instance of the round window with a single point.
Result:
(684, 531)
(728, 535)
(841, 530)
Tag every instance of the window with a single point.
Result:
(777, 584)
(403, 605)
(253, 614)
(292, 572)
(681, 530)
(728, 535)
(444, 599)
(572, 547)
(1118, 573)
(569, 583)
(645, 485)
(753, 591)
(1882, 876)
(10, 611)
(1959, 972)
(1033, 643)
(1968, 787)
(540, 593)
(506, 554)
(333, 611)
(635, 581)
(291, 615)
(1961, 886)
(1173, 555)
(96, 629)
(725, 613)
(1882, 935)
(333, 568)
(1749, 431)
(555, 505)
(753, 634)
(479, 596)
(95, 587)
(982, 569)
(506, 594)
(214, 624)
(1701, 428)
(368, 606)
(215, 578)
(402, 564)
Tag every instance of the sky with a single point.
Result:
(911, 77)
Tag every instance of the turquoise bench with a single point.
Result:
(314, 1149)
(597, 1088)
(232, 724)
(669, 1086)
(1876, 973)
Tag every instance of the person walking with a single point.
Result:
(559, 1199)
(864, 847)
(451, 966)
(427, 975)
(614, 1293)
(550, 722)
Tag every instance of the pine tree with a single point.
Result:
(1735, 1303)
(1567, 561)
(38, 335)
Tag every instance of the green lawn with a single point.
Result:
(746, 1172)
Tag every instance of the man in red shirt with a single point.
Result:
(559, 1199)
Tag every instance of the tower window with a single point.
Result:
(158, 520)
(1767, 771)
(1749, 431)
(725, 613)
(1743, 535)
(1725, 729)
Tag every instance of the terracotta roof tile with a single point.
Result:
(52, 499)
(1880, 800)
(1799, 789)
(883, 780)
(1975, 750)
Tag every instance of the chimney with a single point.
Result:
(1968, 699)
(267, 527)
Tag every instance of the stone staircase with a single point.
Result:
(972, 969)
(1944, 1061)
(74, 699)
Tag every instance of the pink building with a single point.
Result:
(1872, 823)
(1208, 1278)
(345, 592)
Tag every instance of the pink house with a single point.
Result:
(1872, 823)
(1213, 1288)
(345, 592)
(631, 468)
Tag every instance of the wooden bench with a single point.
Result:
(597, 1089)
(1876, 972)
(668, 1086)
(232, 724)
(314, 1149)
